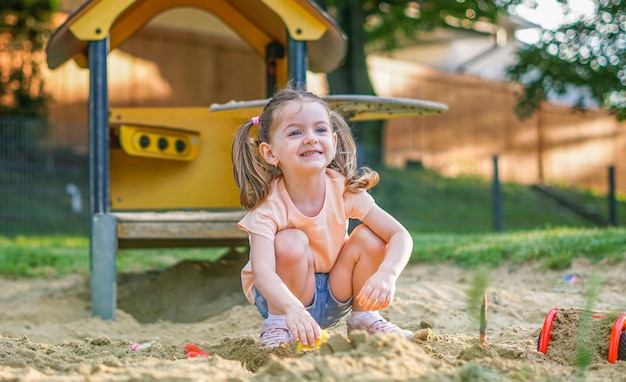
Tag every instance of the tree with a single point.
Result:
(384, 26)
(588, 54)
(24, 28)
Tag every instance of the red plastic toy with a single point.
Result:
(194, 351)
(617, 347)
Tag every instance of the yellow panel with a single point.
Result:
(142, 183)
(96, 22)
(302, 25)
(156, 142)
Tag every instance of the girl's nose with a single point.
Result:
(310, 137)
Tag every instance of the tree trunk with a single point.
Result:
(352, 77)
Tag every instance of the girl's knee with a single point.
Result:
(291, 245)
(368, 241)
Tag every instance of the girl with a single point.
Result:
(299, 182)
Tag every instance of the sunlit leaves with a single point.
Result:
(589, 53)
(24, 29)
(390, 22)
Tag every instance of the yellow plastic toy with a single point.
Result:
(299, 347)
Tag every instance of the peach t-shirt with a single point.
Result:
(326, 232)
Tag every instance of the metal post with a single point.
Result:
(612, 198)
(496, 197)
(103, 230)
(273, 51)
(297, 62)
(98, 127)
(103, 273)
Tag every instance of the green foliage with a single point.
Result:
(24, 29)
(424, 201)
(589, 54)
(389, 23)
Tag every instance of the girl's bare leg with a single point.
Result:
(360, 257)
(294, 265)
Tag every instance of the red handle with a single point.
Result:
(544, 336)
(616, 333)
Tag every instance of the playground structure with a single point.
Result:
(162, 176)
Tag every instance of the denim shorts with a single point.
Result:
(325, 309)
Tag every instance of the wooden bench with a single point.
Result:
(179, 229)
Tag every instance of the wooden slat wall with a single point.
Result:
(554, 145)
(158, 68)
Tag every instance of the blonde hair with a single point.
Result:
(254, 177)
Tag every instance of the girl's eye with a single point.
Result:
(322, 130)
(293, 133)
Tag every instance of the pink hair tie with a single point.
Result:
(256, 120)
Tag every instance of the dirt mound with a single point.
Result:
(190, 291)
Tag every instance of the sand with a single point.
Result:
(47, 332)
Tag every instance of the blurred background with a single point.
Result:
(536, 103)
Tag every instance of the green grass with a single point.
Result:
(427, 202)
(53, 256)
(450, 220)
(554, 248)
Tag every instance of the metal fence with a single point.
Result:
(43, 189)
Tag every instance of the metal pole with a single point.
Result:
(496, 197)
(612, 198)
(103, 246)
(103, 273)
(273, 51)
(297, 66)
(98, 127)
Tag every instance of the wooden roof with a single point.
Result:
(258, 22)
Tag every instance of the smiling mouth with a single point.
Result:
(311, 153)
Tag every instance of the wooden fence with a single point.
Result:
(555, 145)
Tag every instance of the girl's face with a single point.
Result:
(301, 139)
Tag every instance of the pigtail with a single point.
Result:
(345, 158)
(251, 175)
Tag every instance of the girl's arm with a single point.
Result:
(263, 261)
(399, 248)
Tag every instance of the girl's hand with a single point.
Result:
(302, 326)
(377, 292)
